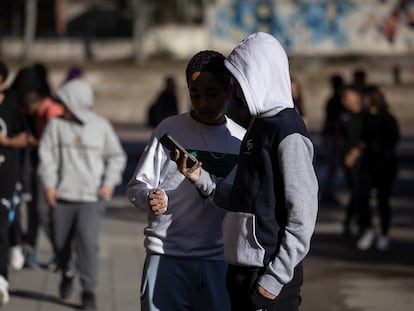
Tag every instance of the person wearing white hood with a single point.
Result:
(81, 162)
(272, 206)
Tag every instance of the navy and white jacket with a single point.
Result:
(274, 200)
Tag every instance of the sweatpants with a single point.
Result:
(240, 282)
(180, 284)
(77, 226)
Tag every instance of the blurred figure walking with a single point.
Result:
(34, 94)
(81, 162)
(351, 123)
(12, 136)
(40, 108)
(332, 138)
(380, 137)
(165, 104)
(297, 96)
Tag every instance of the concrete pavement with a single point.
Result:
(337, 276)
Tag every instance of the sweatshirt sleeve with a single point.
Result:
(218, 189)
(295, 156)
(115, 158)
(147, 173)
(49, 156)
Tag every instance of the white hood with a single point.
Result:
(77, 95)
(260, 65)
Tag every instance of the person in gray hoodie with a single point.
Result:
(81, 162)
(272, 205)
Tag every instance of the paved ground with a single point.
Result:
(337, 277)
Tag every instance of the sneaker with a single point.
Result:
(30, 259)
(88, 301)
(16, 258)
(366, 240)
(52, 265)
(4, 291)
(66, 287)
(383, 243)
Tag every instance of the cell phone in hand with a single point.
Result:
(171, 144)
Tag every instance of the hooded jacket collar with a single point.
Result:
(260, 65)
(78, 97)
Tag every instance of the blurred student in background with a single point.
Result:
(359, 80)
(34, 96)
(379, 165)
(81, 162)
(12, 136)
(332, 138)
(351, 127)
(297, 96)
(165, 105)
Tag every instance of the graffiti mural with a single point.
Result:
(308, 26)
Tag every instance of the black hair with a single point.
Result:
(26, 81)
(4, 72)
(212, 62)
(359, 74)
(377, 97)
(42, 74)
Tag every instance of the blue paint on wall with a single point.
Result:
(321, 19)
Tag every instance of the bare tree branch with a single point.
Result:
(29, 27)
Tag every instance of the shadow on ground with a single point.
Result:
(36, 296)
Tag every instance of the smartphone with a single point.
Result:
(171, 144)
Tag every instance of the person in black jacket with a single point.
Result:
(351, 120)
(166, 104)
(12, 136)
(380, 137)
(332, 137)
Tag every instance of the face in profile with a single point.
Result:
(208, 98)
(351, 100)
(31, 102)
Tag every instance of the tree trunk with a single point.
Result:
(29, 27)
(138, 31)
(208, 20)
(60, 17)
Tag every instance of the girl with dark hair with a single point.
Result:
(380, 137)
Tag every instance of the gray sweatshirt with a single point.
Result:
(79, 156)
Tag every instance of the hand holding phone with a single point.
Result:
(171, 144)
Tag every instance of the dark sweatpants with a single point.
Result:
(240, 282)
